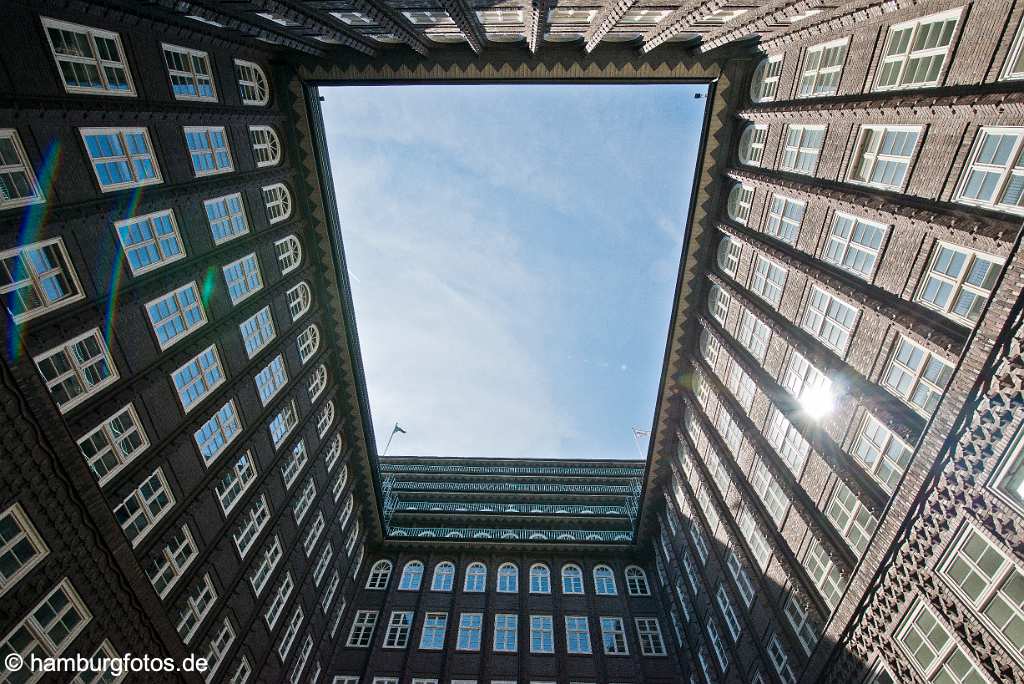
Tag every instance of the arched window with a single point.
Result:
(508, 578)
(738, 206)
(289, 253)
(278, 201)
(252, 83)
(752, 144)
(476, 577)
(317, 382)
(572, 579)
(728, 255)
(604, 581)
(636, 582)
(379, 575)
(412, 575)
(765, 82)
(540, 579)
(309, 342)
(718, 303)
(331, 457)
(444, 577)
(300, 298)
(324, 420)
(266, 147)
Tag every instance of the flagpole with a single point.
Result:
(392, 436)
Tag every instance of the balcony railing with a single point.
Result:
(480, 507)
(512, 470)
(540, 487)
(622, 536)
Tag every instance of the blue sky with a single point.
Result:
(513, 253)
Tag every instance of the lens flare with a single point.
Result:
(818, 401)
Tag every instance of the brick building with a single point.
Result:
(833, 490)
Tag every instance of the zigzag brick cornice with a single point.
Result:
(836, 21)
(774, 13)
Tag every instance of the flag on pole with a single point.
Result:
(398, 429)
(638, 433)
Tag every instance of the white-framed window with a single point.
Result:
(252, 83)
(252, 523)
(915, 51)
(648, 633)
(379, 574)
(50, 627)
(242, 278)
(916, 376)
(443, 578)
(718, 303)
(768, 280)
(738, 204)
(729, 255)
(339, 611)
(801, 148)
(198, 603)
(991, 582)
(754, 334)
(852, 519)
(705, 666)
(572, 579)
(173, 559)
(150, 241)
(300, 298)
(227, 217)
(278, 201)
(732, 622)
(283, 423)
(739, 575)
(470, 631)
(315, 529)
(103, 676)
(21, 547)
(304, 501)
(613, 636)
(769, 491)
(412, 576)
(268, 560)
(271, 379)
(214, 436)
(242, 672)
(77, 369)
(785, 216)
(176, 315)
(266, 146)
(934, 650)
(289, 253)
(208, 148)
(399, 627)
(476, 578)
(121, 157)
(236, 480)
(287, 638)
(577, 634)
(959, 281)
(198, 377)
(1013, 68)
(308, 342)
(190, 73)
(710, 347)
(317, 382)
(780, 660)
(1009, 478)
(362, 629)
(257, 331)
(342, 479)
(328, 596)
(325, 418)
(506, 633)
(807, 632)
(822, 68)
(508, 579)
(765, 83)
(542, 634)
(114, 443)
(791, 446)
(805, 382)
(752, 141)
(90, 60)
(881, 157)
(540, 579)
(18, 183)
(994, 174)
(604, 581)
(824, 573)
(144, 506)
(884, 455)
(323, 561)
(294, 463)
(829, 319)
(636, 581)
(854, 243)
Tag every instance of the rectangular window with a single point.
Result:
(18, 183)
(37, 278)
(271, 379)
(959, 281)
(362, 629)
(236, 481)
(648, 632)
(935, 651)
(542, 634)
(399, 626)
(577, 634)
(732, 622)
(805, 382)
(90, 60)
(144, 507)
(268, 560)
(823, 66)
(785, 216)
(739, 575)
(197, 378)
(170, 564)
(288, 637)
(853, 520)
(208, 148)
(198, 603)
(1013, 68)
(854, 243)
(994, 174)
(283, 423)
(214, 436)
(755, 538)
(768, 280)
(807, 632)
(916, 376)
(252, 523)
(176, 315)
(780, 660)
(227, 217)
(332, 587)
(100, 676)
(829, 319)
(190, 73)
(754, 334)
(801, 148)
(882, 155)
(77, 369)
(257, 331)
(613, 636)
(787, 440)
(51, 626)
(304, 501)
(322, 563)
(242, 278)
(883, 455)
(470, 629)
(915, 51)
(825, 574)
(506, 633)
(276, 604)
(21, 547)
(294, 464)
(150, 241)
(121, 157)
(113, 444)
(313, 533)
(769, 491)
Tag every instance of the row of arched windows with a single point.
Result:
(475, 580)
